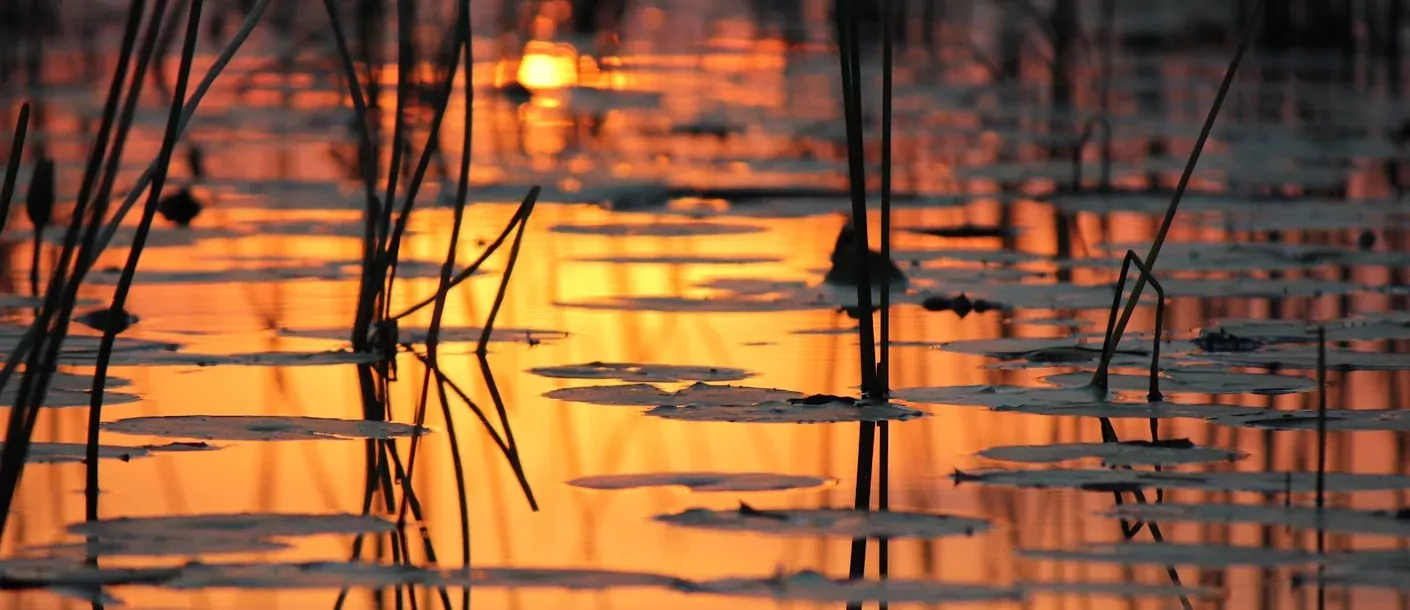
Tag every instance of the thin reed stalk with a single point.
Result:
(139, 241)
(883, 369)
(531, 198)
(12, 164)
(1099, 378)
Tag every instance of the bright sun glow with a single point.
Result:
(548, 66)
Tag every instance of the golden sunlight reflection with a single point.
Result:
(548, 66)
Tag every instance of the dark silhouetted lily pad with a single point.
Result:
(808, 586)
(1128, 453)
(828, 522)
(449, 334)
(1305, 357)
(166, 358)
(1172, 553)
(672, 229)
(1000, 396)
(260, 427)
(628, 371)
(1195, 381)
(1306, 419)
(810, 410)
(1345, 520)
(1107, 480)
(681, 259)
(646, 395)
(179, 535)
(702, 481)
(68, 453)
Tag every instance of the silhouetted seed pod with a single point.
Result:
(101, 319)
(39, 202)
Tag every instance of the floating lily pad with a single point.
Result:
(1005, 257)
(69, 390)
(681, 259)
(1000, 396)
(1132, 410)
(702, 481)
(1195, 381)
(828, 522)
(1306, 419)
(1256, 287)
(1115, 589)
(69, 453)
(627, 371)
(646, 395)
(674, 229)
(1128, 453)
(282, 273)
(449, 334)
(1172, 553)
(212, 533)
(1351, 521)
(1305, 357)
(728, 304)
(815, 587)
(65, 572)
(569, 578)
(260, 427)
(1125, 480)
(154, 358)
(313, 575)
(810, 410)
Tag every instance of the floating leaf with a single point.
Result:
(260, 427)
(727, 304)
(646, 395)
(1128, 453)
(999, 396)
(1195, 381)
(73, 572)
(67, 453)
(164, 358)
(628, 371)
(1345, 520)
(449, 334)
(1117, 589)
(1306, 419)
(815, 587)
(212, 533)
(702, 481)
(810, 410)
(828, 522)
(681, 259)
(1305, 357)
(1382, 326)
(1172, 553)
(283, 273)
(314, 575)
(1125, 480)
(1132, 410)
(674, 229)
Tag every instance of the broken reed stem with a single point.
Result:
(511, 446)
(12, 165)
(520, 215)
(532, 197)
(139, 241)
(1099, 378)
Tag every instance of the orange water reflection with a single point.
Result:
(561, 441)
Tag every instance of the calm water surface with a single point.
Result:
(284, 197)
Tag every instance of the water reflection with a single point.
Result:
(700, 97)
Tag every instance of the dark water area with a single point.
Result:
(691, 159)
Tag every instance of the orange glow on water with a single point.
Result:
(548, 66)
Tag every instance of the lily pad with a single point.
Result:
(1128, 453)
(1195, 381)
(646, 395)
(1132, 410)
(727, 304)
(673, 229)
(211, 533)
(260, 427)
(1125, 480)
(628, 371)
(1383, 326)
(702, 481)
(66, 572)
(1351, 521)
(815, 587)
(449, 334)
(842, 523)
(1305, 357)
(1000, 396)
(1172, 553)
(1115, 589)
(810, 410)
(281, 273)
(681, 259)
(1338, 420)
(155, 358)
(76, 453)
(313, 575)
